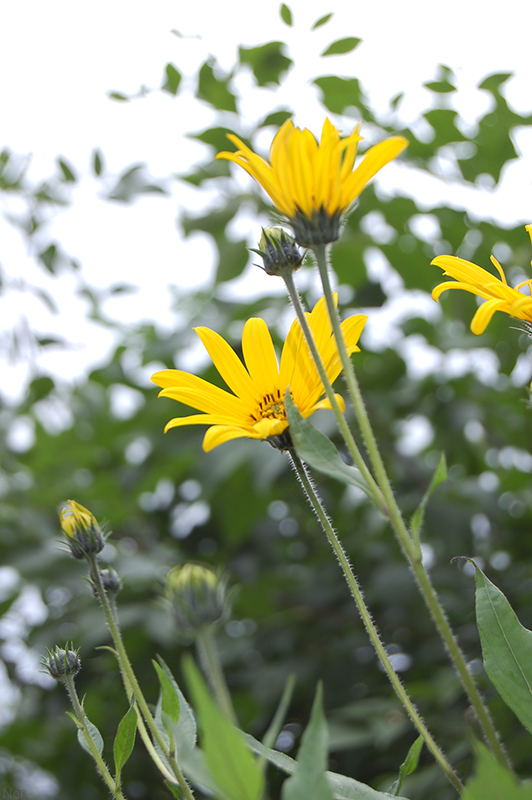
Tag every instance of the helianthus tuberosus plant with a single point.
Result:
(272, 397)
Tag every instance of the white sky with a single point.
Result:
(59, 59)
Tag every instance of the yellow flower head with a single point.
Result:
(73, 516)
(314, 184)
(495, 291)
(256, 408)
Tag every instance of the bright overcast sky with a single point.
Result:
(59, 59)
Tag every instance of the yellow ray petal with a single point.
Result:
(228, 365)
(259, 355)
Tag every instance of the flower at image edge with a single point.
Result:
(495, 291)
(256, 408)
(313, 184)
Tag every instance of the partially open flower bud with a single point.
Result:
(82, 531)
(197, 596)
(279, 251)
(61, 663)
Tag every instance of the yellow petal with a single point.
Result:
(259, 355)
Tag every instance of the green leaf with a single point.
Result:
(440, 476)
(215, 90)
(169, 703)
(409, 765)
(123, 98)
(97, 161)
(94, 733)
(494, 781)
(49, 258)
(341, 46)
(270, 737)
(441, 87)
(173, 79)
(185, 731)
(69, 175)
(309, 781)
(341, 93)
(286, 14)
(318, 451)
(268, 63)
(506, 648)
(231, 765)
(322, 21)
(343, 788)
(124, 740)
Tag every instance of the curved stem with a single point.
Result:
(373, 634)
(82, 721)
(210, 661)
(130, 679)
(374, 489)
(403, 536)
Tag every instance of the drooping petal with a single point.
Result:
(484, 314)
(218, 434)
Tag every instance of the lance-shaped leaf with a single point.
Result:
(341, 46)
(185, 730)
(317, 450)
(309, 781)
(409, 765)
(168, 706)
(93, 732)
(440, 476)
(231, 765)
(506, 648)
(124, 740)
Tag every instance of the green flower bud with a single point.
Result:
(62, 664)
(82, 531)
(198, 597)
(279, 251)
(111, 582)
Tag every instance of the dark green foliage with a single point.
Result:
(268, 63)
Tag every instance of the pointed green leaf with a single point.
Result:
(231, 765)
(317, 450)
(185, 731)
(309, 781)
(409, 765)
(493, 781)
(172, 79)
(343, 788)
(270, 737)
(124, 740)
(506, 648)
(286, 14)
(322, 21)
(267, 62)
(440, 476)
(97, 161)
(67, 171)
(169, 705)
(342, 46)
(215, 90)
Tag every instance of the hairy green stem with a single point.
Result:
(81, 718)
(129, 678)
(405, 540)
(347, 435)
(210, 661)
(373, 634)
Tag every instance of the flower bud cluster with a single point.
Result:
(62, 663)
(279, 252)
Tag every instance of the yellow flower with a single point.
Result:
(314, 184)
(256, 408)
(73, 516)
(498, 295)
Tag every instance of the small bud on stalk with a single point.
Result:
(111, 582)
(198, 597)
(82, 531)
(279, 252)
(62, 663)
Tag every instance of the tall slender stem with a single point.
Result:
(130, 679)
(210, 661)
(371, 629)
(81, 717)
(331, 395)
(405, 540)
